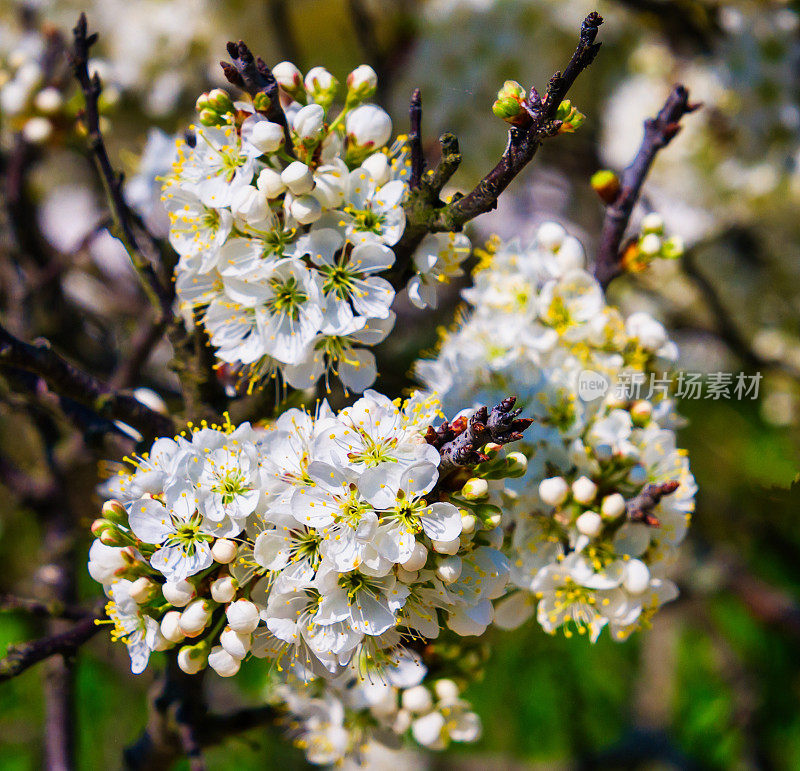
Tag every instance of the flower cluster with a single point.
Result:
(607, 496)
(311, 542)
(284, 226)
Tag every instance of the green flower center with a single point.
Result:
(288, 297)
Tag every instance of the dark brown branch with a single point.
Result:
(640, 508)
(147, 337)
(415, 139)
(254, 77)
(23, 656)
(460, 443)
(67, 380)
(159, 295)
(425, 214)
(658, 133)
(51, 609)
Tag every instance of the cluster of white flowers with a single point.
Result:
(540, 328)
(283, 232)
(361, 713)
(308, 542)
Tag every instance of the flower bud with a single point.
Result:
(223, 589)
(550, 235)
(309, 122)
(321, 86)
(48, 100)
(208, 118)
(368, 127)
(270, 183)
(192, 658)
(170, 626)
(637, 577)
(377, 165)
(266, 136)
(195, 617)
(446, 690)
(289, 78)
(590, 524)
(553, 491)
(242, 616)
(418, 558)
(202, 103)
(178, 593)
(115, 512)
(468, 522)
(641, 412)
(447, 547)
(223, 550)
(516, 464)
(236, 643)
(650, 245)
(672, 248)
(417, 699)
(492, 449)
(306, 209)
(475, 488)
(407, 576)
(220, 101)
(653, 223)
(222, 662)
(449, 569)
(613, 506)
(571, 118)
(427, 730)
(606, 184)
(108, 534)
(509, 103)
(584, 490)
(362, 83)
(142, 589)
(298, 178)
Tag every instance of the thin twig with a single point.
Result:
(159, 295)
(425, 214)
(658, 133)
(415, 139)
(42, 609)
(67, 380)
(23, 656)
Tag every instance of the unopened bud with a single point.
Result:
(236, 643)
(110, 535)
(309, 122)
(449, 569)
(266, 136)
(170, 627)
(289, 78)
(220, 101)
(178, 593)
(672, 248)
(637, 577)
(517, 464)
(584, 490)
(653, 223)
(447, 547)
(641, 412)
(368, 128)
(590, 523)
(509, 103)
(142, 590)
(650, 245)
(115, 512)
(492, 449)
(468, 522)
(417, 699)
(223, 589)
(208, 118)
(361, 83)
(192, 658)
(553, 491)
(321, 86)
(306, 209)
(195, 617)
(418, 558)
(222, 662)
(475, 488)
(298, 178)
(242, 616)
(613, 506)
(223, 550)
(571, 118)
(606, 184)
(446, 690)
(270, 183)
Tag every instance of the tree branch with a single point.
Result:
(425, 213)
(658, 133)
(51, 609)
(159, 295)
(23, 656)
(415, 139)
(67, 380)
